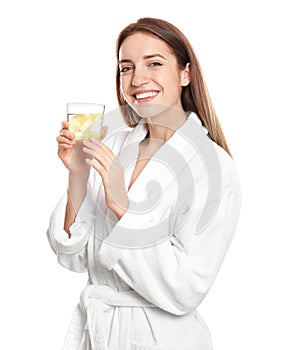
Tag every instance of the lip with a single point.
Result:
(142, 96)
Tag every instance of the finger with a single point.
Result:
(97, 147)
(92, 145)
(105, 156)
(90, 152)
(65, 130)
(62, 146)
(65, 124)
(64, 140)
(101, 158)
(100, 146)
(104, 132)
(97, 166)
(66, 133)
(99, 151)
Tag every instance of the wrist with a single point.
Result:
(119, 211)
(79, 172)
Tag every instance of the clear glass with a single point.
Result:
(85, 120)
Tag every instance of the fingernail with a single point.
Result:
(96, 141)
(88, 161)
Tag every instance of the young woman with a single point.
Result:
(151, 209)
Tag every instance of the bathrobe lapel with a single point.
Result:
(156, 190)
(129, 153)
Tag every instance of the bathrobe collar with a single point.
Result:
(130, 149)
(140, 131)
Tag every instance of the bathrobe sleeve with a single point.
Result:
(176, 274)
(72, 252)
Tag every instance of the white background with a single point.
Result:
(53, 52)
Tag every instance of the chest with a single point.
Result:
(144, 156)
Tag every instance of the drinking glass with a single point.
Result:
(85, 120)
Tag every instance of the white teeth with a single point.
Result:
(145, 95)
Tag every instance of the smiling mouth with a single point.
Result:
(145, 96)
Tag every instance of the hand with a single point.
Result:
(70, 151)
(112, 173)
(66, 142)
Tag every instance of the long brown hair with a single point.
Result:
(195, 96)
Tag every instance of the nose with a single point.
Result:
(139, 77)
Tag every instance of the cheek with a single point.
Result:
(125, 82)
(174, 86)
(171, 81)
(123, 86)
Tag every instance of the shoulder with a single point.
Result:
(228, 170)
(227, 163)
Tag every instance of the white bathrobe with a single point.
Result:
(149, 271)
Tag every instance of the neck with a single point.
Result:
(162, 127)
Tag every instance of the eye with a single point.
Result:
(125, 69)
(155, 64)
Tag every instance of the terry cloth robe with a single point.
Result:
(143, 292)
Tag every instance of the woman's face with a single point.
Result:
(150, 79)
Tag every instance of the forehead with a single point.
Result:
(142, 44)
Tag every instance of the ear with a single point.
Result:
(185, 75)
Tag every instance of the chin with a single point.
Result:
(149, 110)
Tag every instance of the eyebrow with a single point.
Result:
(146, 57)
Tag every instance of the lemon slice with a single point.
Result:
(80, 125)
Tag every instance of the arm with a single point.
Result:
(71, 250)
(76, 192)
(73, 218)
